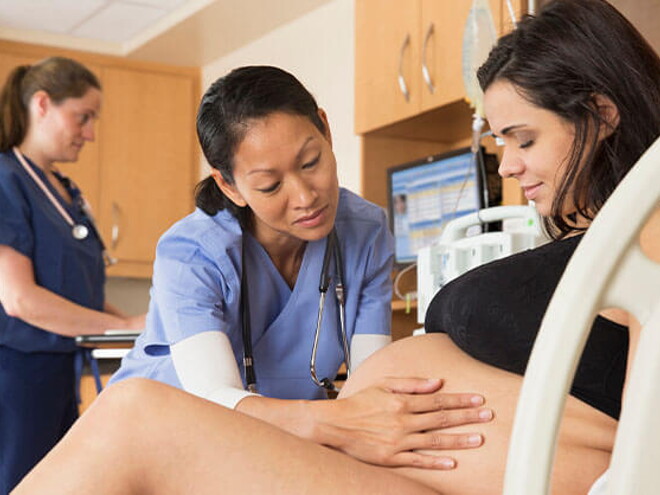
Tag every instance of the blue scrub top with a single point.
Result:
(71, 268)
(196, 288)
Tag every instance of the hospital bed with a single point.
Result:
(608, 269)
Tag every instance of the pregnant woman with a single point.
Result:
(574, 120)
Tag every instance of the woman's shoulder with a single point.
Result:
(8, 168)
(528, 278)
(12, 178)
(546, 262)
(198, 231)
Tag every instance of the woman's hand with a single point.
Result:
(136, 322)
(388, 423)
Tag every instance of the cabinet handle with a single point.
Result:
(402, 82)
(425, 69)
(115, 225)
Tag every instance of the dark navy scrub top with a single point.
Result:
(71, 268)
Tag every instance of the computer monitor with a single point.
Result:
(425, 194)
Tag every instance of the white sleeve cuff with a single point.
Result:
(206, 367)
(364, 345)
(228, 396)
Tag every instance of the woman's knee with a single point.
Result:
(120, 404)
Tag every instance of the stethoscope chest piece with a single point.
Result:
(80, 232)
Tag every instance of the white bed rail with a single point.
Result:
(608, 269)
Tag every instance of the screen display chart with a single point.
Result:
(425, 196)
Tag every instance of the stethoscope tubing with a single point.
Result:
(341, 299)
(78, 231)
(312, 362)
(248, 356)
(332, 252)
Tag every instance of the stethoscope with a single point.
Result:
(79, 231)
(332, 252)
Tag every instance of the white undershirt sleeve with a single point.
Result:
(600, 485)
(364, 345)
(206, 367)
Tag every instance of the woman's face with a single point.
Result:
(537, 144)
(67, 125)
(285, 171)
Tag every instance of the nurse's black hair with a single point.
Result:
(559, 61)
(224, 117)
(59, 77)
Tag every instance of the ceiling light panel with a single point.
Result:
(118, 22)
(54, 16)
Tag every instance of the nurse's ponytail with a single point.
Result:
(59, 77)
(228, 108)
(210, 199)
(13, 113)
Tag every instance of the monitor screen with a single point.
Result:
(425, 194)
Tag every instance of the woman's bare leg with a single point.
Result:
(141, 436)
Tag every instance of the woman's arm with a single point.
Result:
(137, 322)
(382, 425)
(22, 298)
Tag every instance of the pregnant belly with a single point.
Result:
(585, 440)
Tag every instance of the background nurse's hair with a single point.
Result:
(224, 116)
(559, 60)
(60, 77)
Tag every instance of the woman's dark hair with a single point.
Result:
(224, 116)
(560, 60)
(59, 77)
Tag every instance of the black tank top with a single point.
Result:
(494, 312)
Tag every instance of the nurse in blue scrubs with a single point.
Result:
(52, 270)
(262, 224)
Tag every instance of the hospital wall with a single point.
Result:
(319, 49)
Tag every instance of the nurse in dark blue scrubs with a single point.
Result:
(52, 271)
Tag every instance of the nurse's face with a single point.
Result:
(537, 144)
(66, 126)
(285, 171)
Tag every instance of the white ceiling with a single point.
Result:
(183, 32)
(107, 20)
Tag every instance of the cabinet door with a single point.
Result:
(443, 25)
(387, 53)
(148, 162)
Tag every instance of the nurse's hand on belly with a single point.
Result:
(386, 423)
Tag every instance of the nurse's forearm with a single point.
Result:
(45, 309)
(386, 424)
(113, 310)
(293, 416)
(21, 297)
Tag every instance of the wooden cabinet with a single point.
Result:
(146, 152)
(140, 172)
(409, 56)
(387, 60)
(419, 43)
